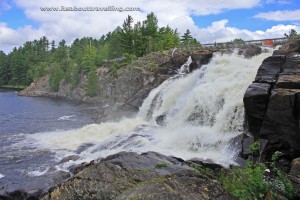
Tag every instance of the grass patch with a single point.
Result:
(250, 183)
(204, 170)
(18, 87)
(163, 165)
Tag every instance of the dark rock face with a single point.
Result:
(272, 102)
(256, 101)
(133, 176)
(269, 70)
(200, 58)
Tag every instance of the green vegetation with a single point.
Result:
(19, 87)
(92, 84)
(255, 148)
(292, 34)
(246, 183)
(162, 165)
(204, 170)
(250, 182)
(56, 75)
(187, 39)
(35, 59)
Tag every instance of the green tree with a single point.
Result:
(168, 38)
(75, 76)
(292, 34)
(187, 38)
(92, 84)
(238, 41)
(61, 52)
(56, 75)
(103, 54)
(126, 35)
(150, 32)
(89, 56)
(4, 70)
(38, 70)
(113, 45)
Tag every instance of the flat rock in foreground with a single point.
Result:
(134, 176)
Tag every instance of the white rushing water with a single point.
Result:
(203, 111)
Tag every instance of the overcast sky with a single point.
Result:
(208, 20)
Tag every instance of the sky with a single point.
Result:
(208, 20)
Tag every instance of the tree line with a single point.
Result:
(35, 59)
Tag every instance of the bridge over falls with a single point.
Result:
(217, 45)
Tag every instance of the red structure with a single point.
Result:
(268, 43)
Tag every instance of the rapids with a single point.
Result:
(202, 112)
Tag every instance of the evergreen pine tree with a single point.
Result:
(92, 84)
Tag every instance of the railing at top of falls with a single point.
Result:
(217, 45)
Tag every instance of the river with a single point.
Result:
(22, 116)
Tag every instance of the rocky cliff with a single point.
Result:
(130, 85)
(272, 101)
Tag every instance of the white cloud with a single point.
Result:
(220, 32)
(281, 2)
(282, 15)
(176, 13)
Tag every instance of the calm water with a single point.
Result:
(20, 116)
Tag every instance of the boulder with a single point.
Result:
(291, 47)
(129, 175)
(161, 119)
(295, 167)
(251, 51)
(200, 58)
(294, 175)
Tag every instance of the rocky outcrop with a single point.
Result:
(272, 101)
(133, 176)
(250, 51)
(289, 48)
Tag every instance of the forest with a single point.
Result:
(35, 59)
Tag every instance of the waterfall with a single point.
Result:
(202, 112)
(185, 68)
(173, 51)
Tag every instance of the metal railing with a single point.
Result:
(221, 45)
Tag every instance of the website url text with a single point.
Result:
(89, 9)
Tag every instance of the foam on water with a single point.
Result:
(67, 118)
